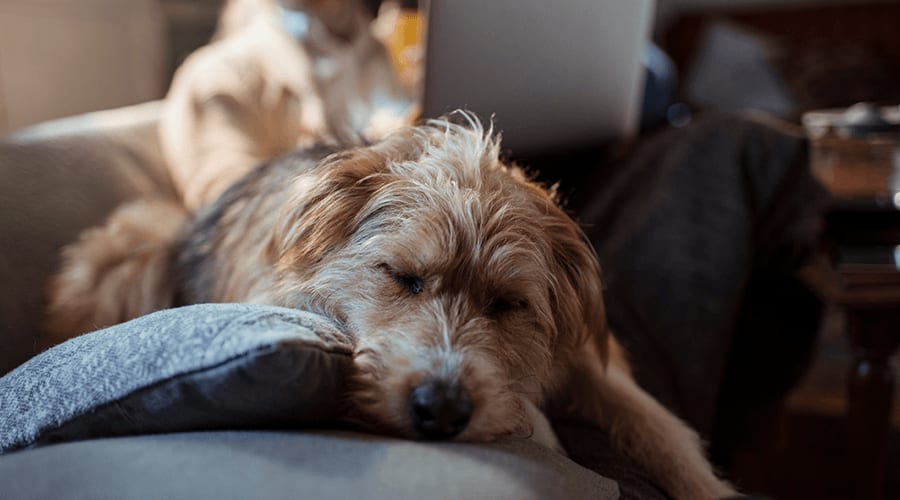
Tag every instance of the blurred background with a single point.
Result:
(59, 58)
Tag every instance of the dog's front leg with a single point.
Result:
(642, 428)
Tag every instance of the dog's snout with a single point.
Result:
(439, 410)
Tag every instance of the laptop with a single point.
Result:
(552, 74)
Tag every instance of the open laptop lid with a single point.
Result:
(554, 74)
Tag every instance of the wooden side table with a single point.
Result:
(869, 292)
(856, 155)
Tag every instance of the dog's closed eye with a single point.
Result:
(413, 284)
(409, 282)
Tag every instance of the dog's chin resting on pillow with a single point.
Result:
(473, 296)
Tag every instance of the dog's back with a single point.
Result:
(240, 222)
(154, 254)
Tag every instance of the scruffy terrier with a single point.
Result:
(471, 294)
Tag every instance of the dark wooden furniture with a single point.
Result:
(867, 239)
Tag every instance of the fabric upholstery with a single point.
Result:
(267, 465)
(591, 447)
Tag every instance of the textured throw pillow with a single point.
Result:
(197, 367)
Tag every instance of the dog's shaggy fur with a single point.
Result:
(445, 263)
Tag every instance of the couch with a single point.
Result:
(64, 176)
(67, 176)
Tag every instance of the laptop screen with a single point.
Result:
(553, 75)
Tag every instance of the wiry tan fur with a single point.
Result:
(510, 306)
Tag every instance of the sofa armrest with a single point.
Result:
(57, 179)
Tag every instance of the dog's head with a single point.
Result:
(468, 287)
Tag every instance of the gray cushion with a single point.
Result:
(198, 367)
(281, 465)
(234, 366)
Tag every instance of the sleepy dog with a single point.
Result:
(474, 299)
(473, 296)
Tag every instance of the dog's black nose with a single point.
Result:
(439, 410)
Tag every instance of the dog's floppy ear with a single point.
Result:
(322, 210)
(578, 292)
